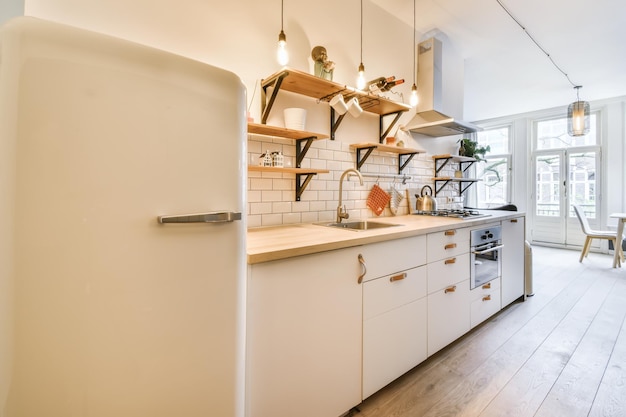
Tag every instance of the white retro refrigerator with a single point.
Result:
(122, 237)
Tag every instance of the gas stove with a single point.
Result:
(463, 214)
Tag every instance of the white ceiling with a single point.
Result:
(505, 72)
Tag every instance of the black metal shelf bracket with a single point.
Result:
(439, 167)
(402, 165)
(300, 151)
(469, 164)
(360, 159)
(267, 104)
(438, 189)
(391, 125)
(335, 122)
(301, 186)
(462, 189)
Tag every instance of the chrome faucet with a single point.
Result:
(342, 213)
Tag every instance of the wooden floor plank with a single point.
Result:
(524, 394)
(611, 398)
(575, 390)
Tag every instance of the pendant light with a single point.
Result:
(414, 99)
(360, 81)
(282, 54)
(578, 116)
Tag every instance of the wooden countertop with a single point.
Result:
(280, 242)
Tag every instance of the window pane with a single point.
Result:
(548, 195)
(552, 134)
(493, 189)
(582, 166)
(497, 139)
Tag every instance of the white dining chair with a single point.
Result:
(591, 233)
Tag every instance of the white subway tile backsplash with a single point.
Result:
(271, 196)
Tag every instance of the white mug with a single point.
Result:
(354, 107)
(338, 104)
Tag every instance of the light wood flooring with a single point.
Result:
(560, 353)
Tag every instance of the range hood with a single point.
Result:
(428, 120)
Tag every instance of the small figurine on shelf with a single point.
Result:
(471, 149)
(265, 160)
(323, 67)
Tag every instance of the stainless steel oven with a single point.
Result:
(485, 255)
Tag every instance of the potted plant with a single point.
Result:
(469, 147)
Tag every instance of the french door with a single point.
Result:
(564, 177)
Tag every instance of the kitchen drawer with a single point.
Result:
(448, 315)
(448, 271)
(447, 243)
(386, 258)
(393, 343)
(391, 291)
(485, 302)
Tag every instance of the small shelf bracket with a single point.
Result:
(469, 164)
(391, 125)
(438, 166)
(267, 104)
(360, 159)
(300, 151)
(335, 122)
(438, 189)
(462, 189)
(402, 165)
(301, 186)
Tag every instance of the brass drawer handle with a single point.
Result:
(486, 286)
(450, 246)
(450, 289)
(450, 261)
(513, 220)
(487, 297)
(398, 277)
(449, 232)
(363, 268)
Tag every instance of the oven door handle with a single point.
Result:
(482, 252)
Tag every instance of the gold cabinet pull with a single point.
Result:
(450, 289)
(486, 286)
(398, 277)
(363, 268)
(450, 261)
(450, 246)
(487, 297)
(513, 220)
(449, 232)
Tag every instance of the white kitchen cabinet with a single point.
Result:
(448, 315)
(513, 238)
(394, 327)
(304, 335)
(447, 243)
(484, 302)
(448, 287)
(385, 258)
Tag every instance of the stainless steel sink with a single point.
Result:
(359, 225)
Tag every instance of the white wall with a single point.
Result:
(11, 8)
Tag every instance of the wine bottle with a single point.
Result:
(388, 86)
(378, 83)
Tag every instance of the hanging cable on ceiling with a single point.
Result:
(578, 112)
(536, 43)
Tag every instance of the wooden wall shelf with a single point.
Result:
(309, 85)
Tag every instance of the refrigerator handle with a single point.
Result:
(214, 217)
